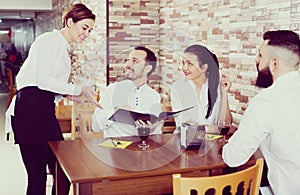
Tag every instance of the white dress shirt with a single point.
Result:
(183, 95)
(48, 65)
(270, 123)
(124, 94)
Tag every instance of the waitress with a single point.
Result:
(42, 77)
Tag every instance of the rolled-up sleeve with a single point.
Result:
(253, 129)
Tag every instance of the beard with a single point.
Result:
(128, 75)
(264, 78)
(131, 74)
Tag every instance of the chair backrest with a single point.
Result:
(85, 124)
(250, 178)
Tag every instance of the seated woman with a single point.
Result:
(202, 88)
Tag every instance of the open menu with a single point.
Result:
(129, 116)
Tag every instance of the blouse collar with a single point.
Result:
(203, 92)
(64, 42)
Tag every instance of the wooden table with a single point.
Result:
(76, 164)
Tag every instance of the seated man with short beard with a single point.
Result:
(133, 93)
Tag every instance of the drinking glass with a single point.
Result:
(143, 132)
(223, 127)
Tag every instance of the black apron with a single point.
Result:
(34, 121)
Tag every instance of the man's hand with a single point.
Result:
(152, 126)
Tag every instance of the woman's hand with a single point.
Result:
(89, 93)
(225, 84)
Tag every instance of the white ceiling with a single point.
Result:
(15, 11)
(32, 5)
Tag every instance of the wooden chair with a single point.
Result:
(9, 78)
(250, 178)
(12, 89)
(67, 113)
(169, 125)
(85, 124)
(63, 112)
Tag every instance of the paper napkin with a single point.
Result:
(212, 136)
(110, 143)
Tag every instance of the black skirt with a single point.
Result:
(34, 121)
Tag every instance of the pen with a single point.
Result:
(112, 141)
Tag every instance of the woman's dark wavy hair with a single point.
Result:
(77, 12)
(205, 56)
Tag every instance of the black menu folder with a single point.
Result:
(129, 117)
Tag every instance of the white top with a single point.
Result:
(124, 94)
(271, 123)
(183, 95)
(48, 65)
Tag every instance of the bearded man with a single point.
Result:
(132, 93)
(270, 122)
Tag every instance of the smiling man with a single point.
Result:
(132, 93)
(271, 120)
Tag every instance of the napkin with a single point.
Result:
(110, 143)
(212, 136)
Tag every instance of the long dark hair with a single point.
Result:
(205, 56)
(77, 12)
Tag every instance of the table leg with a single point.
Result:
(62, 184)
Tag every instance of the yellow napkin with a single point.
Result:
(212, 136)
(115, 144)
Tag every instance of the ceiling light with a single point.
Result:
(2, 32)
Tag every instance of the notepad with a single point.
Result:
(212, 136)
(114, 144)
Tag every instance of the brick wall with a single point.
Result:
(232, 29)
(131, 23)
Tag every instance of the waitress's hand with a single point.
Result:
(89, 93)
(74, 98)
